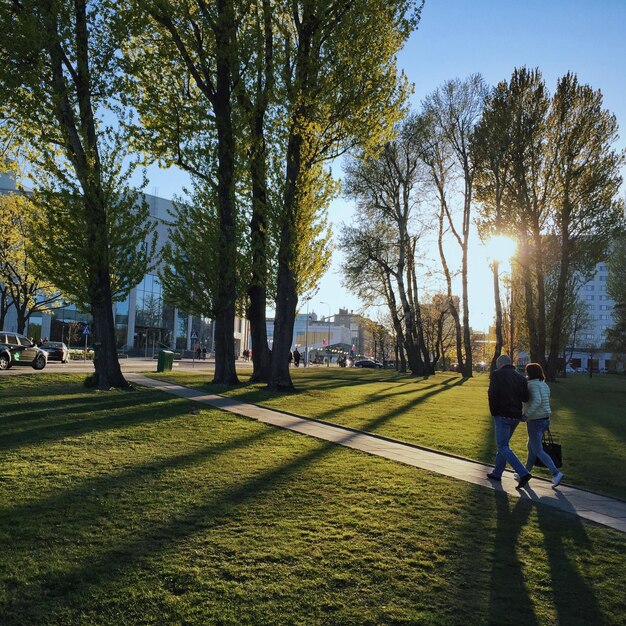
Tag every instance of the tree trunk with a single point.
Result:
(261, 365)
(286, 292)
(541, 299)
(107, 366)
(397, 325)
(417, 314)
(559, 306)
(257, 292)
(467, 338)
(529, 303)
(86, 162)
(225, 372)
(498, 304)
(453, 310)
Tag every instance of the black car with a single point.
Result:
(57, 351)
(369, 363)
(19, 350)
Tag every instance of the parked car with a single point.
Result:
(57, 351)
(19, 350)
(369, 363)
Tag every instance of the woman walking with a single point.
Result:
(537, 415)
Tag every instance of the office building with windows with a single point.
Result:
(588, 351)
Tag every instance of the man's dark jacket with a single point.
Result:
(507, 390)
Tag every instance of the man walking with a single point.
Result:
(507, 390)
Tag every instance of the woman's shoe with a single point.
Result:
(492, 476)
(557, 478)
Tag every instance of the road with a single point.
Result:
(139, 364)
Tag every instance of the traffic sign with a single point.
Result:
(194, 334)
(87, 330)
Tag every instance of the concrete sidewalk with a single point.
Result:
(585, 504)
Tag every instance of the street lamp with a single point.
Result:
(328, 344)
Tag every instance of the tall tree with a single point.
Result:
(386, 189)
(230, 135)
(329, 45)
(57, 77)
(455, 109)
(368, 273)
(530, 195)
(491, 143)
(586, 208)
(437, 155)
(205, 38)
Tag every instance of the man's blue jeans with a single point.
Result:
(536, 429)
(505, 427)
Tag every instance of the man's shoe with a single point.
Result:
(492, 476)
(556, 479)
(523, 481)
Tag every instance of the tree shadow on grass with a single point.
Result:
(375, 399)
(509, 598)
(602, 405)
(30, 411)
(126, 479)
(47, 593)
(168, 407)
(566, 544)
(256, 392)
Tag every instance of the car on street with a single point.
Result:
(57, 351)
(369, 363)
(15, 349)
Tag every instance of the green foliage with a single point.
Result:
(548, 173)
(21, 276)
(61, 125)
(616, 288)
(192, 256)
(64, 252)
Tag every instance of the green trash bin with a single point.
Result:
(165, 361)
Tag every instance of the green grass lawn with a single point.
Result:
(139, 508)
(448, 413)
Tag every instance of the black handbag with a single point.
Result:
(553, 450)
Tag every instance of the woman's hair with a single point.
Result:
(534, 370)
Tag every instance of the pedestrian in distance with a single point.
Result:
(508, 389)
(296, 357)
(537, 414)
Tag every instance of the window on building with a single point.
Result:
(590, 297)
(590, 288)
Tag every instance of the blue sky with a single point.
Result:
(460, 37)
